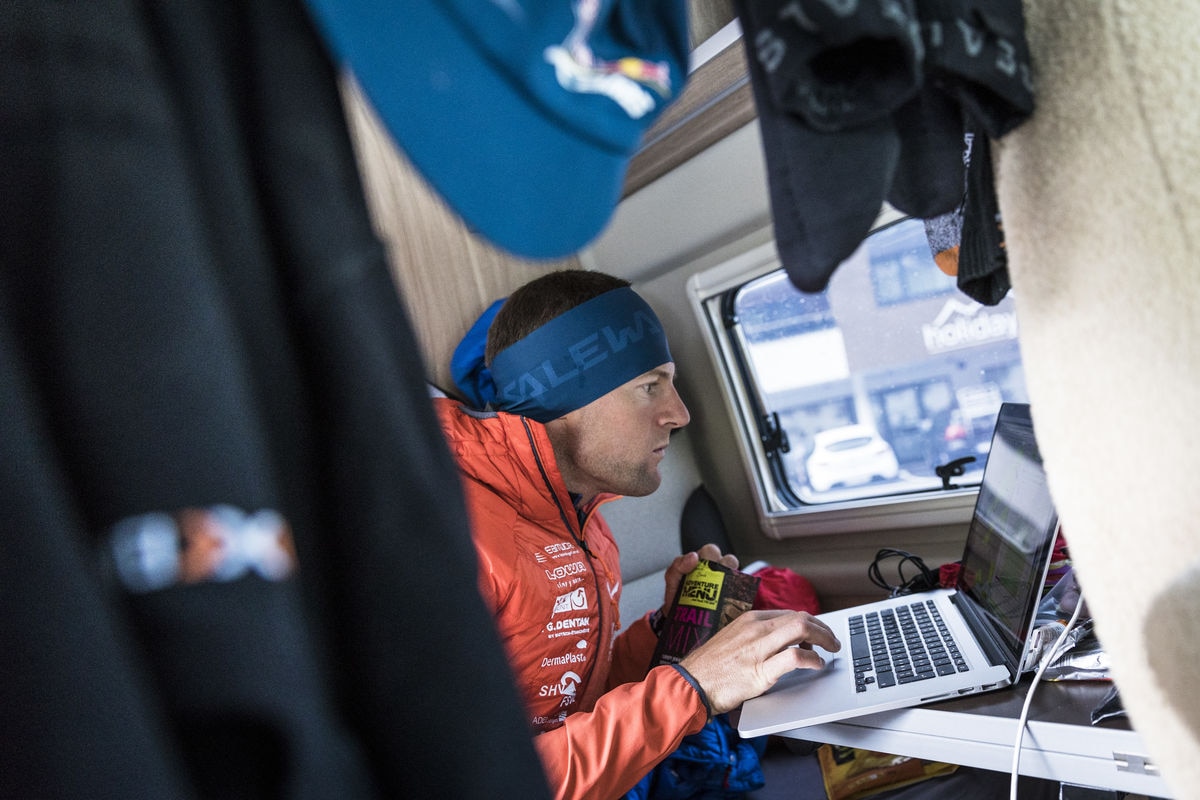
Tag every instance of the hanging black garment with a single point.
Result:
(197, 323)
(864, 103)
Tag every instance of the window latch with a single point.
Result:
(952, 470)
(773, 436)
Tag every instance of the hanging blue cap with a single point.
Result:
(522, 114)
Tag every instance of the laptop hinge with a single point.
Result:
(989, 641)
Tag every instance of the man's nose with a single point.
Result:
(677, 414)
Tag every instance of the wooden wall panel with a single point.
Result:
(446, 275)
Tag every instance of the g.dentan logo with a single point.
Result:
(569, 624)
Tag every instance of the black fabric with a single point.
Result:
(825, 86)
(968, 242)
(976, 74)
(929, 175)
(944, 232)
(982, 257)
(977, 53)
(864, 103)
(700, 523)
(194, 311)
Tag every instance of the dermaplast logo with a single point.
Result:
(564, 660)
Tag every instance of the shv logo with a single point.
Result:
(566, 686)
(961, 324)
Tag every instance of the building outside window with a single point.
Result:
(888, 374)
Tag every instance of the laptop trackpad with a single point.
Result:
(798, 677)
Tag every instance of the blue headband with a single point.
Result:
(467, 368)
(579, 356)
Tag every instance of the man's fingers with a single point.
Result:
(787, 643)
(710, 552)
(680, 566)
(788, 660)
(751, 653)
(682, 562)
(786, 628)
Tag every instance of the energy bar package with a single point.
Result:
(708, 598)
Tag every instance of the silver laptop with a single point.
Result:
(947, 642)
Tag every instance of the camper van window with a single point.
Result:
(867, 388)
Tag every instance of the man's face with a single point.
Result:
(616, 442)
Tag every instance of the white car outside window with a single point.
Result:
(850, 455)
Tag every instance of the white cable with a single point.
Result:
(1021, 721)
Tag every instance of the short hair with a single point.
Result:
(541, 300)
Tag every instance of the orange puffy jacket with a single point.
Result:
(554, 586)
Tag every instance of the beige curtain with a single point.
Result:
(1101, 209)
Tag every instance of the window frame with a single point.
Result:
(782, 515)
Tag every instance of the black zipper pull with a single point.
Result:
(583, 544)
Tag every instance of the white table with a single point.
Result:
(1060, 743)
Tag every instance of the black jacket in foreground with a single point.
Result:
(195, 315)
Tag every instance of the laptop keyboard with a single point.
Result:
(902, 645)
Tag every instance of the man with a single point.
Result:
(584, 384)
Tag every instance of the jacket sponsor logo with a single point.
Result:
(566, 571)
(546, 722)
(565, 688)
(571, 601)
(564, 660)
(569, 624)
(563, 586)
(555, 551)
(558, 551)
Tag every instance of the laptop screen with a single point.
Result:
(1012, 529)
